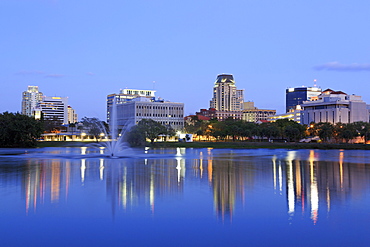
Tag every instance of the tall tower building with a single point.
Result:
(296, 96)
(30, 100)
(226, 97)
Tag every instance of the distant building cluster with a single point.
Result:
(35, 104)
(304, 105)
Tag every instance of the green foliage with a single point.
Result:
(147, 129)
(136, 137)
(17, 130)
(324, 130)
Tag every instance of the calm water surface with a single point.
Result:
(184, 197)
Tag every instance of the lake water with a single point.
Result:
(184, 197)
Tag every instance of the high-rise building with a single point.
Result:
(53, 108)
(30, 100)
(226, 97)
(296, 96)
(227, 100)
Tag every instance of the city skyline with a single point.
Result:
(85, 51)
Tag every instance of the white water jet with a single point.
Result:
(115, 144)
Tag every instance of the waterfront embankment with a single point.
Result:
(246, 145)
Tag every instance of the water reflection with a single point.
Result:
(310, 182)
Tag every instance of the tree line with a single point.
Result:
(291, 131)
(17, 130)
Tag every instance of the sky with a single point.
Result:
(85, 50)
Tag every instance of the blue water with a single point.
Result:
(184, 197)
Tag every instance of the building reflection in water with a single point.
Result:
(312, 187)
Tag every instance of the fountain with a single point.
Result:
(115, 143)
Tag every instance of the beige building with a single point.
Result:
(253, 114)
(72, 116)
(226, 97)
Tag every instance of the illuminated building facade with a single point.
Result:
(166, 113)
(253, 114)
(30, 100)
(126, 95)
(72, 116)
(53, 108)
(227, 100)
(296, 96)
(292, 115)
(226, 97)
(335, 107)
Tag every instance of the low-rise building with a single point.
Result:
(220, 115)
(126, 95)
(254, 115)
(335, 107)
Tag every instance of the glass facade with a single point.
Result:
(296, 96)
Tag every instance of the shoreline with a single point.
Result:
(238, 145)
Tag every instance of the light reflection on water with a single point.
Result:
(260, 190)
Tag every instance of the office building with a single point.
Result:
(30, 100)
(126, 95)
(254, 115)
(294, 115)
(335, 107)
(167, 113)
(53, 108)
(296, 96)
(227, 100)
(226, 97)
(133, 105)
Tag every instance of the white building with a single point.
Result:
(294, 115)
(30, 100)
(126, 95)
(335, 107)
(166, 113)
(53, 108)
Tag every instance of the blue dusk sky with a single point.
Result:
(86, 50)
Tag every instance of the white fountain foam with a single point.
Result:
(115, 145)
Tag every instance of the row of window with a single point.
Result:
(158, 115)
(160, 107)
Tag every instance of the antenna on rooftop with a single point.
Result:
(314, 83)
(153, 85)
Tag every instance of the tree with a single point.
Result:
(136, 136)
(325, 130)
(152, 129)
(17, 130)
(363, 129)
(348, 132)
(95, 127)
